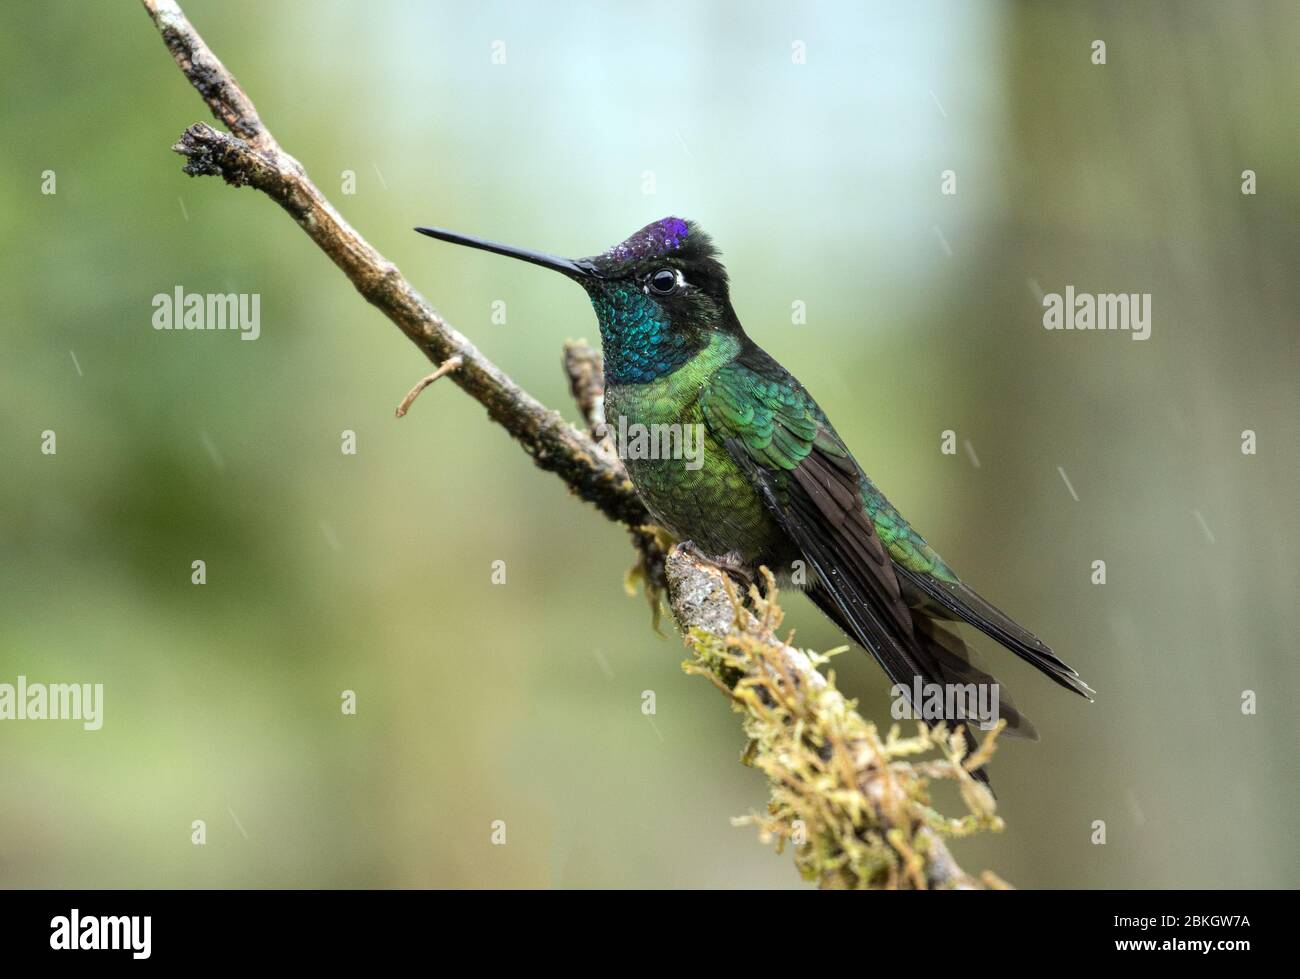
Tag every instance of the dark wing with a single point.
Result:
(810, 483)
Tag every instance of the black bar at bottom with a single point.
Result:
(138, 929)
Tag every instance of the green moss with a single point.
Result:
(853, 806)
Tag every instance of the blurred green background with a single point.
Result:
(821, 182)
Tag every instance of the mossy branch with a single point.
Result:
(854, 808)
(851, 802)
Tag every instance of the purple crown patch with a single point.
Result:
(659, 238)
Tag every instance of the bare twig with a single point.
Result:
(586, 372)
(582, 363)
(445, 368)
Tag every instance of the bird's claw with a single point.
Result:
(729, 564)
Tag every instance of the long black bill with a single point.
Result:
(574, 270)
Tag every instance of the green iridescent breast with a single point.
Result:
(706, 499)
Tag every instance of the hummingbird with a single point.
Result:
(775, 483)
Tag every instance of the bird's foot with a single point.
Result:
(731, 564)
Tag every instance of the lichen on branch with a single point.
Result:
(854, 805)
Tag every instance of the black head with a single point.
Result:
(671, 259)
(659, 296)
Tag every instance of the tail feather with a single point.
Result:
(966, 604)
(944, 659)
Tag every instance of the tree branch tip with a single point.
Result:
(211, 153)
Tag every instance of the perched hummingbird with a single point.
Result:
(776, 484)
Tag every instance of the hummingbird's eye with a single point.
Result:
(664, 281)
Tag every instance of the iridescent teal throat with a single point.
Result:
(639, 343)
